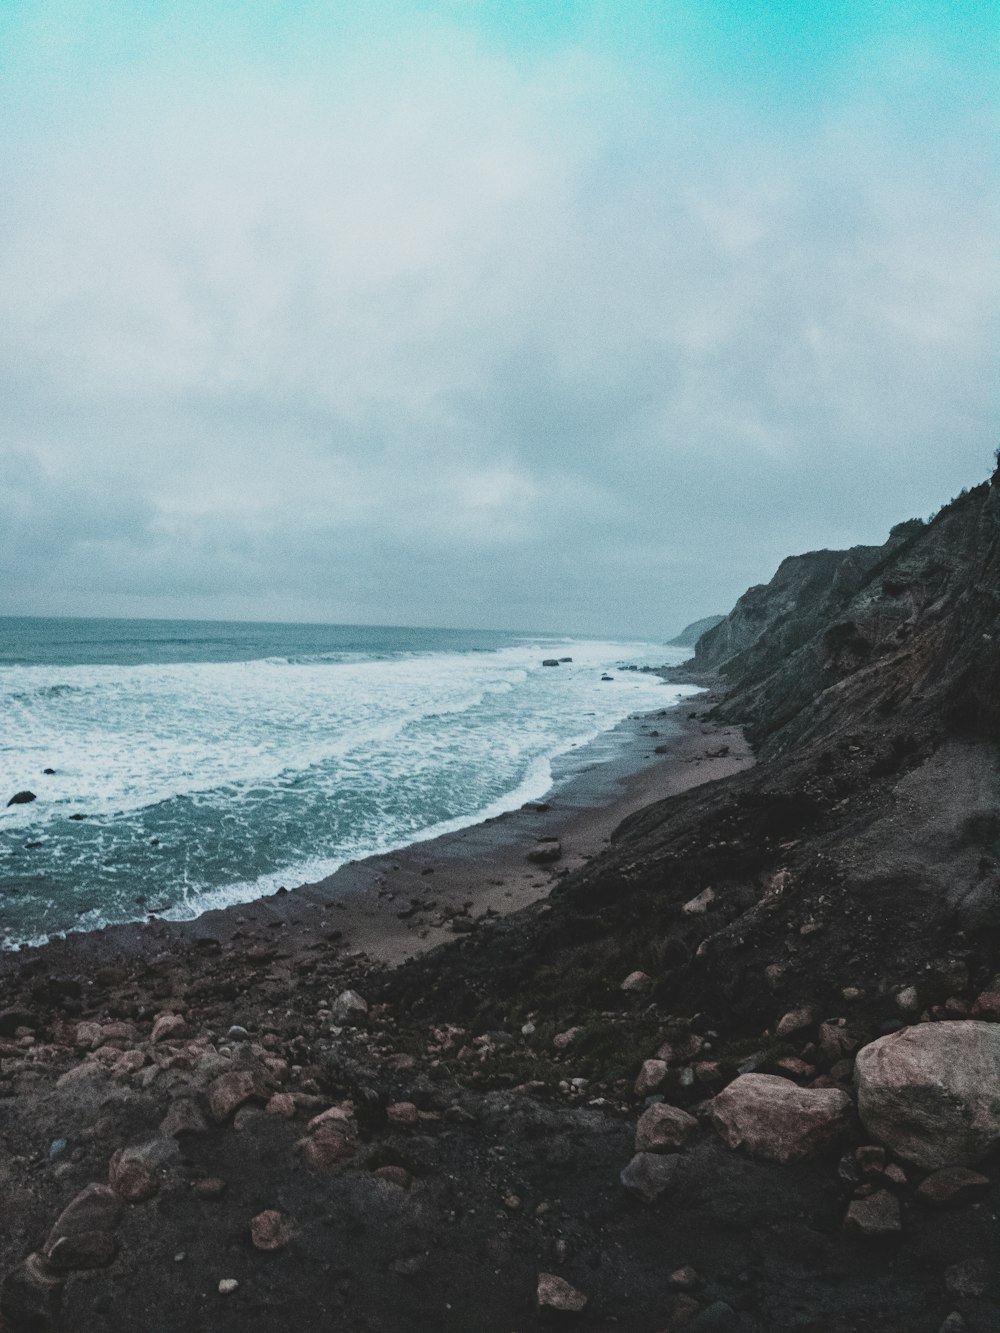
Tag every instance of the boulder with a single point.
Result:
(22, 798)
(931, 1092)
(773, 1118)
(663, 1128)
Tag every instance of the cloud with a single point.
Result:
(418, 330)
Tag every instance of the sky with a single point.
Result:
(561, 315)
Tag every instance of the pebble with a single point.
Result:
(555, 1293)
(227, 1286)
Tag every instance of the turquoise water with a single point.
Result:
(214, 762)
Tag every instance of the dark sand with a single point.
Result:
(393, 906)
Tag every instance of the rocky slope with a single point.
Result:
(739, 1072)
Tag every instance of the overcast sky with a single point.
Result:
(540, 314)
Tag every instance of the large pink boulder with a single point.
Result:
(773, 1118)
(931, 1092)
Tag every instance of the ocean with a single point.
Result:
(201, 764)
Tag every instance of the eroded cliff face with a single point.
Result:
(908, 631)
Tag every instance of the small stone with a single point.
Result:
(952, 1186)
(908, 1001)
(684, 1279)
(237, 1033)
(850, 994)
(394, 1175)
(229, 1092)
(636, 982)
(169, 1027)
(877, 1215)
(227, 1286)
(210, 1187)
(699, 905)
(283, 1104)
(270, 1230)
(796, 1020)
(648, 1175)
(555, 1293)
(402, 1113)
(131, 1178)
(969, 1278)
(350, 1008)
(663, 1128)
(326, 1147)
(651, 1076)
(563, 1039)
(184, 1117)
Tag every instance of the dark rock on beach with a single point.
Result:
(22, 798)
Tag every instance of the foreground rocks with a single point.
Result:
(932, 1092)
(770, 1117)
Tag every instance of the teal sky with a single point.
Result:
(502, 313)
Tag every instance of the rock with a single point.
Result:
(402, 1113)
(545, 853)
(651, 1076)
(563, 1039)
(270, 1230)
(210, 1187)
(326, 1147)
(932, 1092)
(679, 1049)
(969, 1278)
(987, 1006)
(394, 1175)
(699, 905)
(22, 798)
(349, 1008)
(550, 661)
(797, 1020)
(169, 1027)
(283, 1104)
(772, 1118)
(952, 1186)
(555, 1294)
(229, 1092)
(648, 1175)
(237, 1033)
(184, 1117)
(954, 1323)
(133, 1175)
(663, 1128)
(908, 1001)
(82, 1236)
(636, 982)
(227, 1286)
(877, 1215)
(684, 1279)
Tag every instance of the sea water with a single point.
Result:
(200, 764)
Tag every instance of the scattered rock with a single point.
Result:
(648, 1175)
(350, 1008)
(932, 1092)
(556, 1294)
(908, 1001)
(394, 1175)
(876, 1215)
(652, 1075)
(326, 1147)
(184, 1117)
(773, 1118)
(169, 1027)
(227, 1286)
(402, 1113)
(270, 1230)
(22, 798)
(969, 1278)
(795, 1021)
(684, 1279)
(133, 1173)
(229, 1092)
(283, 1104)
(636, 982)
(663, 1128)
(952, 1186)
(699, 905)
(563, 1039)
(82, 1236)
(210, 1187)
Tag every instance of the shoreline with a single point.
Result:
(395, 905)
